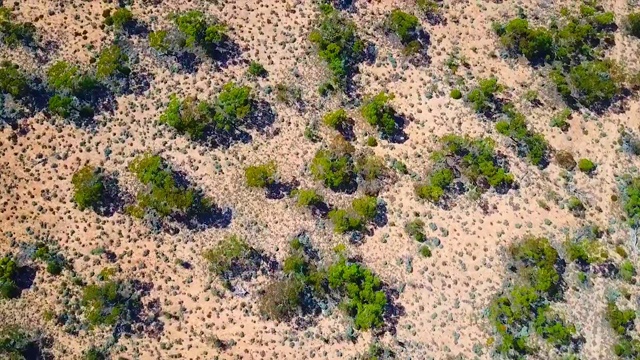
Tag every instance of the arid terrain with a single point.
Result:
(441, 256)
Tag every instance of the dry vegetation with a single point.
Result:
(282, 179)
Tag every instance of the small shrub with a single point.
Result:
(366, 207)
(88, 183)
(344, 221)
(231, 256)
(261, 176)
(337, 119)
(620, 320)
(379, 113)
(371, 141)
(111, 62)
(187, 116)
(308, 197)
(110, 303)
(483, 96)
(121, 18)
(8, 277)
(415, 230)
(627, 271)
(632, 24)
(425, 251)
(336, 171)
(256, 69)
(586, 166)
(455, 94)
(13, 81)
(234, 104)
(158, 40)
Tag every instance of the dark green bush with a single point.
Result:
(110, 303)
(308, 197)
(8, 275)
(261, 176)
(379, 113)
(112, 62)
(13, 81)
(233, 105)
(482, 97)
(338, 45)
(632, 24)
(336, 171)
(187, 116)
(162, 194)
(586, 166)
(620, 320)
(345, 220)
(198, 31)
(631, 198)
(415, 229)
(530, 144)
(121, 18)
(89, 187)
(256, 69)
(365, 300)
(230, 256)
(406, 27)
(337, 119)
(14, 33)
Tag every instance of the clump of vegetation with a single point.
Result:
(17, 343)
(345, 220)
(530, 144)
(407, 28)
(574, 45)
(89, 187)
(261, 176)
(586, 251)
(365, 300)
(232, 257)
(197, 30)
(189, 116)
(474, 158)
(527, 304)
(111, 303)
(282, 299)
(334, 170)
(112, 62)
(620, 320)
(483, 97)
(308, 197)
(632, 24)
(560, 120)
(120, 19)
(379, 113)
(163, 195)
(338, 119)
(565, 160)
(631, 200)
(371, 172)
(415, 230)
(14, 33)
(586, 166)
(54, 260)
(8, 277)
(338, 45)
(13, 81)
(627, 271)
(256, 69)
(456, 94)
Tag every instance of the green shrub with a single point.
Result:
(594, 83)
(337, 119)
(338, 45)
(17, 343)
(120, 19)
(233, 105)
(158, 41)
(534, 44)
(344, 221)
(586, 166)
(530, 144)
(162, 194)
(336, 171)
(63, 76)
(61, 105)
(404, 25)
(93, 353)
(371, 141)
(8, 277)
(631, 197)
(483, 96)
(281, 299)
(187, 116)
(455, 94)
(197, 31)
(415, 230)
(261, 175)
(14, 33)
(308, 197)
(627, 271)
(551, 327)
(586, 251)
(89, 187)
(425, 251)
(110, 303)
(256, 69)
(379, 113)
(111, 62)
(632, 24)
(13, 81)
(366, 207)
(620, 320)
(438, 182)
(365, 300)
(231, 255)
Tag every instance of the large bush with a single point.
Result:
(13, 81)
(338, 44)
(89, 187)
(379, 113)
